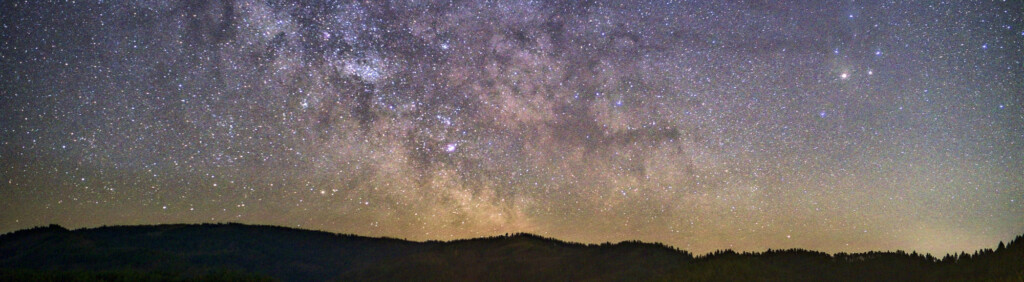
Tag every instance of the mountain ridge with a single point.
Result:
(255, 252)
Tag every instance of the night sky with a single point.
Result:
(835, 125)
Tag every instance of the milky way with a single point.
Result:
(836, 126)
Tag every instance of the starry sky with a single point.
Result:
(837, 126)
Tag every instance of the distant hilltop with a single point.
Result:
(248, 252)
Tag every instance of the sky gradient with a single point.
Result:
(837, 126)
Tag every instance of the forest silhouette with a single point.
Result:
(248, 252)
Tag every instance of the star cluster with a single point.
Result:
(837, 126)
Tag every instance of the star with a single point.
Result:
(645, 120)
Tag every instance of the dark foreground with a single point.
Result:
(244, 252)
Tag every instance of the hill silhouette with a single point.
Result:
(247, 252)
